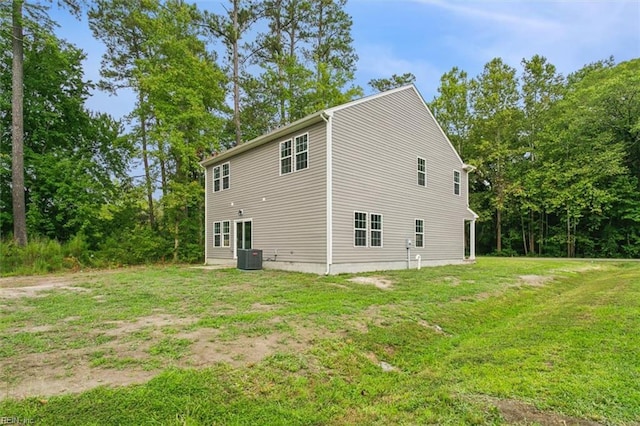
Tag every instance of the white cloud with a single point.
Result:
(381, 61)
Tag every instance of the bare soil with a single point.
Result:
(70, 370)
(380, 282)
(516, 412)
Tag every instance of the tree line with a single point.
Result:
(558, 157)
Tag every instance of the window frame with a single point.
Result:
(356, 229)
(304, 151)
(222, 177)
(376, 230)
(418, 232)
(422, 173)
(294, 154)
(290, 156)
(223, 238)
(457, 182)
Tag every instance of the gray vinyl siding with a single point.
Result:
(376, 144)
(288, 211)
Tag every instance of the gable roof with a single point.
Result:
(316, 118)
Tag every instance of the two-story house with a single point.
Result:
(373, 184)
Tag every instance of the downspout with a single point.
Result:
(326, 116)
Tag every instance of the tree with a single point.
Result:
(17, 102)
(74, 159)
(120, 25)
(541, 88)
(451, 107)
(495, 147)
(230, 28)
(185, 88)
(332, 54)
(384, 84)
(17, 128)
(585, 154)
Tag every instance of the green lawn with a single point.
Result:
(504, 341)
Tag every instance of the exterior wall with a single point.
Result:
(288, 212)
(376, 144)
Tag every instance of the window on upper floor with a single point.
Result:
(285, 157)
(294, 154)
(302, 151)
(221, 177)
(422, 172)
(419, 240)
(456, 182)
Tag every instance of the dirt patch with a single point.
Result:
(534, 280)
(49, 374)
(117, 328)
(519, 413)
(13, 288)
(379, 282)
(129, 359)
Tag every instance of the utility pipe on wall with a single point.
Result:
(419, 259)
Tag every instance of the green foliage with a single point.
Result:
(37, 257)
(384, 84)
(558, 159)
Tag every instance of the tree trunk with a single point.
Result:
(498, 230)
(145, 162)
(17, 128)
(524, 235)
(176, 240)
(236, 75)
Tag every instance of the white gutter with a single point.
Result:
(206, 221)
(326, 116)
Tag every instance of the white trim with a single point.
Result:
(366, 229)
(418, 170)
(329, 160)
(222, 176)
(280, 156)
(381, 230)
(415, 241)
(459, 194)
(295, 151)
(214, 234)
(222, 233)
(220, 167)
(235, 236)
(206, 220)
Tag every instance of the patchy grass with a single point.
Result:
(503, 341)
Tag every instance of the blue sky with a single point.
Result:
(429, 37)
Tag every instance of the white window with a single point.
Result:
(294, 154)
(221, 175)
(422, 172)
(225, 175)
(419, 240)
(221, 234)
(285, 157)
(302, 151)
(456, 182)
(367, 229)
(375, 235)
(360, 229)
